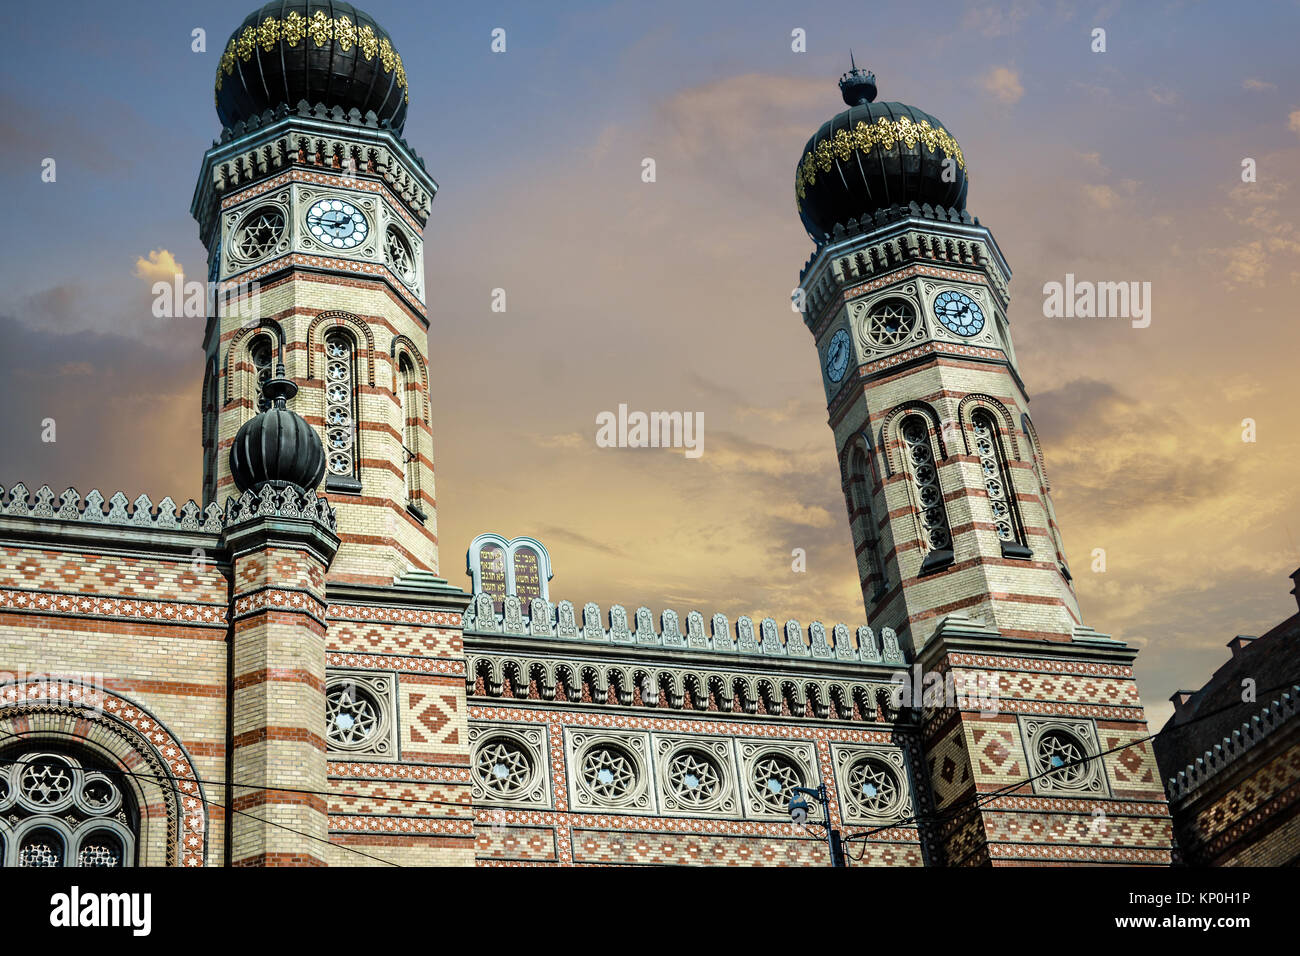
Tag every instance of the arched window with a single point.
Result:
(408, 400)
(932, 513)
(863, 521)
(1044, 491)
(211, 412)
(63, 809)
(341, 406)
(261, 352)
(997, 482)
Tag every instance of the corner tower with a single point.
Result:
(312, 208)
(953, 527)
(906, 297)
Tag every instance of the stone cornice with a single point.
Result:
(268, 145)
(438, 594)
(960, 635)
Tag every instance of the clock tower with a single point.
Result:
(956, 538)
(312, 208)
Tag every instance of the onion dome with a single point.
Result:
(873, 156)
(321, 51)
(277, 447)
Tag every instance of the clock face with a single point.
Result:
(837, 356)
(959, 312)
(337, 223)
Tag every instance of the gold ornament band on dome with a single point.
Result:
(317, 30)
(885, 133)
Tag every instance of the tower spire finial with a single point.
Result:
(857, 86)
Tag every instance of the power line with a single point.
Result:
(982, 799)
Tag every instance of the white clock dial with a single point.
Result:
(837, 356)
(337, 223)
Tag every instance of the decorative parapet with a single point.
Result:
(544, 619)
(681, 685)
(44, 506)
(18, 503)
(284, 503)
(1252, 733)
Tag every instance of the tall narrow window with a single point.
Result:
(340, 406)
(1044, 492)
(997, 482)
(261, 352)
(408, 399)
(931, 511)
(210, 420)
(863, 520)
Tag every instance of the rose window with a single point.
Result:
(873, 788)
(351, 716)
(46, 782)
(694, 779)
(608, 773)
(1061, 759)
(890, 322)
(399, 255)
(260, 233)
(775, 776)
(503, 768)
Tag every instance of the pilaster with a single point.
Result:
(280, 546)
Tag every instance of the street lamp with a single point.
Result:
(799, 814)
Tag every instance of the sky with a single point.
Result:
(1122, 165)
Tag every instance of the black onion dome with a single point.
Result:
(321, 51)
(873, 156)
(277, 447)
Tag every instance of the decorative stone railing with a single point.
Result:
(560, 621)
(288, 503)
(140, 514)
(1220, 755)
(19, 503)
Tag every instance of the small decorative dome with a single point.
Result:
(277, 447)
(872, 156)
(322, 52)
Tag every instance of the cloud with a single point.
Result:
(111, 429)
(1003, 83)
(997, 20)
(1093, 160)
(1293, 121)
(1250, 83)
(1163, 95)
(1127, 459)
(1102, 196)
(160, 266)
(553, 533)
